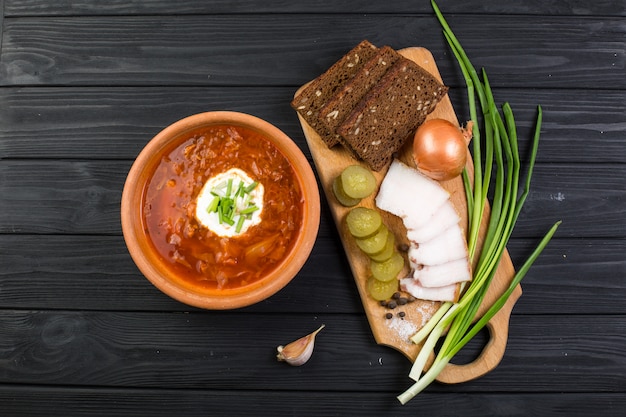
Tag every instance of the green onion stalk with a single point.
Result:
(494, 152)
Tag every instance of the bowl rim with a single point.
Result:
(131, 213)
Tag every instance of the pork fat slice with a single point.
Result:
(438, 251)
(447, 246)
(443, 274)
(410, 195)
(445, 217)
(445, 293)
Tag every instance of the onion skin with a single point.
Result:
(440, 149)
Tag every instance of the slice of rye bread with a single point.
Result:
(314, 96)
(382, 121)
(345, 99)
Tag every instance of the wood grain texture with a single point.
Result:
(126, 7)
(53, 402)
(195, 351)
(116, 123)
(66, 197)
(527, 51)
(1, 23)
(113, 122)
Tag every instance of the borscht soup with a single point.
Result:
(222, 208)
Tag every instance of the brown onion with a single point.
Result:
(440, 149)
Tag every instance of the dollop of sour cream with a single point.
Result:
(243, 212)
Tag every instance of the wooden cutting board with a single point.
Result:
(395, 332)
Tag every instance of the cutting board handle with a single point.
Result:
(493, 351)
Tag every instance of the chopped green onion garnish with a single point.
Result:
(251, 187)
(218, 192)
(240, 221)
(220, 213)
(226, 204)
(249, 210)
(229, 187)
(240, 189)
(213, 206)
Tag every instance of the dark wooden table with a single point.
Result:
(84, 85)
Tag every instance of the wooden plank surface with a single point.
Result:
(520, 51)
(53, 402)
(85, 84)
(126, 7)
(52, 122)
(194, 350)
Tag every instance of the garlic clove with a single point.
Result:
(298, 352)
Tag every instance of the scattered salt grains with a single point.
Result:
(414, 319)
(404, 328)
(557, 197)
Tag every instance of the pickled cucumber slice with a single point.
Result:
(363, 222)
(389, 269)
(357, 181)
(381, 290)
(375, 243)
(388, 250)
(341, 196)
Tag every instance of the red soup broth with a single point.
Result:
(192, 251)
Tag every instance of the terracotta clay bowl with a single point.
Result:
(159, 271)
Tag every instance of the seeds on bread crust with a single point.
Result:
(383, 120)
(370, 101)
(310, 100)
(339, 106)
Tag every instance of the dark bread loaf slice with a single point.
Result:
(314, 96)
(382, 121)
(339, 106)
